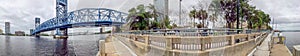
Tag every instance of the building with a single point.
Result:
(20, 33)
(31, 31)
(1, 31)
(7, 28)
(162, 8)
(37, 22)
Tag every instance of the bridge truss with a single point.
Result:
(84, 17)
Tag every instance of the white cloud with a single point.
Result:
(21, 13)
(285, 12)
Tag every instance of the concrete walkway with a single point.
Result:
(114, 47)
(121, 48)
(263, 49)
(279, 49)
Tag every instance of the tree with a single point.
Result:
(193, 15)
(140, 18)
(215, 8)
(202, 15)
(213, 18)
(230, 9)
(255, 18)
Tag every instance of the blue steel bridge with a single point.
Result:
(82, 17)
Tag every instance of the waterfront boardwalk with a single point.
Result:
(263, 49)
(113, 47)
(279, 49)
(253, 44)
(170, 45)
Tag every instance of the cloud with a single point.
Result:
(284, 12)
(21, 13)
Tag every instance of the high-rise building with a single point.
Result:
(37, 21)
(7, 28)
(31, 31)
(162, 8)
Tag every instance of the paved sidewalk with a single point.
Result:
(279, 49)
(263, 49)
(114, 47)
(121, 48)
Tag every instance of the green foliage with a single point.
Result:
(44, 35)
(201, 15)
(141, 18)
(174, 25)
(167, 23)
(192, 14)
(228, 8)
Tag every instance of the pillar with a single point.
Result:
(61, 33)
(102, 29)
(169, 47)
(296, 50)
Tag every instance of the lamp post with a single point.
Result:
(180, 12)
(238, 19)
(237, 16)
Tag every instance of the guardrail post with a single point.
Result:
(169, 46)
(102, 48)
(248, 37)
(232, 40)
(147, 42)
(134, 37)
(202, 44)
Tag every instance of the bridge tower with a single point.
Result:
(37, 23)
(61, 14)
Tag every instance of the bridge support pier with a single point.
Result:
(37, 35)
(102, 29)
(61, 33)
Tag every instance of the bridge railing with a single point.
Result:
(194, 44)
(83, 16)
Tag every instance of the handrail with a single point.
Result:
(195, 44)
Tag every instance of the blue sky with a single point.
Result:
(21, 13)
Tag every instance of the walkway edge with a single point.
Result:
(131, 52)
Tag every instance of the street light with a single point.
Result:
(180, 12)
(237, 16)
(238, 19)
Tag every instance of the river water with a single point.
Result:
(292, 38)
(83, 45)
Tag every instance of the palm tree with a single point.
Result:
(193, 15)
(139, 18)
(201, 15)
(213, 18)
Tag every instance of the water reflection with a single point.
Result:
(7, 44)
(85, 45)
(61, 47)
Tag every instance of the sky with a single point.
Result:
(21, 13)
